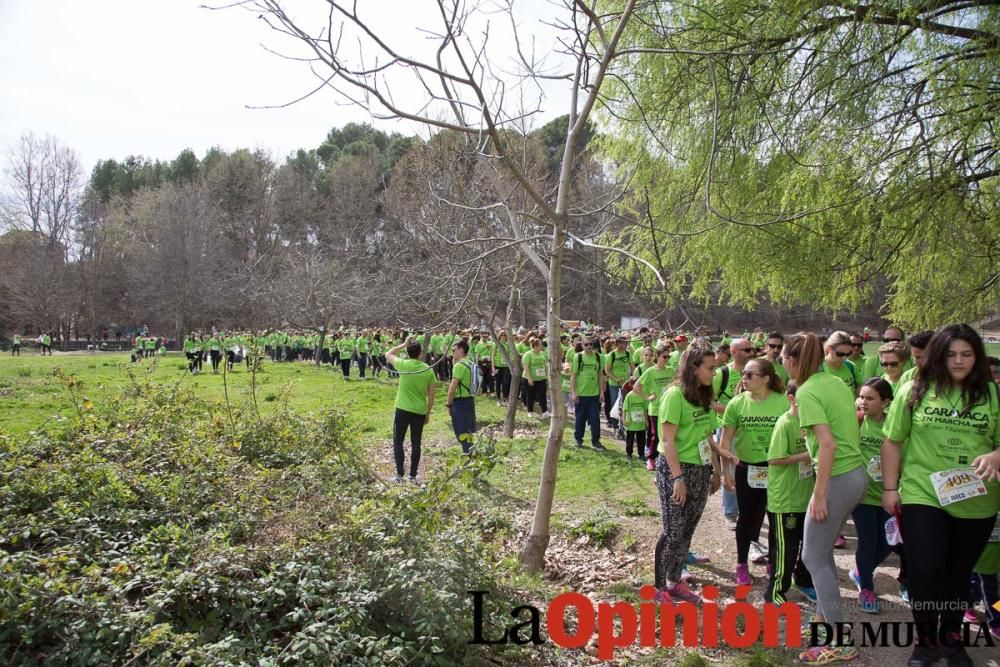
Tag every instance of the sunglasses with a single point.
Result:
(857, 344)
(842, 354)
(743, 349)
(889, 364)
(774, 347)
(892, 340)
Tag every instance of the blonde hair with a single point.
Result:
(837, 338)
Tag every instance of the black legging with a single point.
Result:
(345, 366)
(753, 507)
(503, 383)
(403, 420)
(539, 392)
(941, 551)
(216, 356)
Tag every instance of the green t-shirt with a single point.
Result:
(941, 436)
(754, 421)
(362, 345)
(654, 383)
(414, 378)
(907, 376)
(533, 364)
(498, 359)
(782, 373)
(694, 426)
(189, 345)
(640, 369)
(437, 344)
(346, 347)
(618, 362)
(789, 486)
(462, 371)
(871, 439)
(824, 399)
(47, 340)
(214, 343)
(634, 411)
(483, 350)
(586, 367)
(725, 394)
(848, 373)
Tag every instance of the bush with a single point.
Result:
(156, 530)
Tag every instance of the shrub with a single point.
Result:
(155, 530)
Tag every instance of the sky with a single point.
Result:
(112, 78)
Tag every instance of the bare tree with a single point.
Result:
(44, 187)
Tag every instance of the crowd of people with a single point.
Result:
(801, 431)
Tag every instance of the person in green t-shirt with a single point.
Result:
(826, 412)
(536, 375)
(651, 387)
(776, 341)
(634, 417)
(724, 387)
(499, 368)
(345, 346)
(16, 347)
(414, 402)
(747, 424)
(586, 387)
(947, 494)
(686, 472)
(215, 351)
(646, 361)
(789, 487)
(461, 403)
(869, 517)
(617, 368)
(838, 349)
(917, 344)
(363, 346)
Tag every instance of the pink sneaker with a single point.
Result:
(662, 597)
(650, 465)
(840, 542)
(686, 576)
(971, 616)
(743, 575)
(683, 593)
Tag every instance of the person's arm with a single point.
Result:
(430, 399)
(790, 460)
(391, 355)
(890, 456)
(725, 450)
(452, 388)
(572, 380)
(668, 432)
(824, 466)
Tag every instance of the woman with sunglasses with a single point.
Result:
(838, 349)
(826, 412)
(687, 472)
(892, 358)
(747, 425)
(945, 494)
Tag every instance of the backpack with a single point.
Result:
(725, 382)
(475, 378)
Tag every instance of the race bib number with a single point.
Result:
(539, 373)
(705, 451)
(875, 468)
(805, 469)
(637, 416)
(757, 477)
(956, 485)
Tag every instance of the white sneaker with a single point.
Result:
(731, 521)
(758, 554)
(546, 415)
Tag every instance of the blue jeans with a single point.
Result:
(463, 421)
(730, 505)
(588, 411)
(613, 396)
(869, 521)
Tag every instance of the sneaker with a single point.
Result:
(743, 575)
(855, 577)
(956, 656)
(758, 554)
(412, 479)
(681, 592)
(826, 655)
(840, 542)
(868, 601)
(696, 559)
(579, 444)
(904, 593)
(685, 575)
(598, 446)
(808, 591)
(923, 656)
(650, 465)
(662, 597)
(731, 521)
(971, 616)
(546, 415)
(397, 479)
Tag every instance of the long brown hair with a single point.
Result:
(694, 391)
(933, 369)
(806, 349)
(766, 368)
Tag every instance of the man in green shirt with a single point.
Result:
(586, 388)
(16, 347)
(414, 402)
(724, 387)
(460, 402)
(618, 369)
